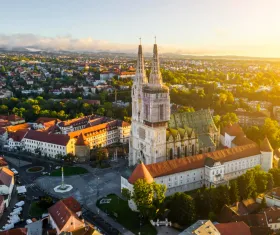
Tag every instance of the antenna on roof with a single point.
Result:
(140, 40)
(155, 39)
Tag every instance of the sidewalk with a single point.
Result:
(110, 220)
(8, 210)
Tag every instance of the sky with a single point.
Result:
(197, 27)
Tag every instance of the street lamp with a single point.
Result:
(97, 187)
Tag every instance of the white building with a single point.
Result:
(209, 169)
(7, 183)
(48, 144)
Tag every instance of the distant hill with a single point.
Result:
(132, 55)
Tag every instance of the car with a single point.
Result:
(45, 173)
(29, 221)
(57, 167)
(15, 171)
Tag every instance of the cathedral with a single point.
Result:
(179, 150)
(156, 135)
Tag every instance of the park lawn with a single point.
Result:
(70, 170)
(125, 216)
(35, 210)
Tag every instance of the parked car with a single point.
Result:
(19, 204)
(29, 221)
(15, 171)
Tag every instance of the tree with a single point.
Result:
(185, 109)
(45, 202)
(3, 69)
(102, 154)
(261, 180)
(182, 209)
(247, 186)
(148, 197)
(229, 118)
(234, 192)
(254, 133)
(275, 172)
(217, 120)
(271, 129)
(4, 109)
(126, 193)
(263, 203)
(100, 111)
(221, 197)
(270, 182)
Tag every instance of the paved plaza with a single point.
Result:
(87, 189)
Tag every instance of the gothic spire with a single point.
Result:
(155, 75)
(140, 71)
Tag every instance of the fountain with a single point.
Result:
(63, 188)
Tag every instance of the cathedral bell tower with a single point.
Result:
(150, 114)
(139, 80)
(156, 99)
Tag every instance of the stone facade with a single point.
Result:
(155, 135)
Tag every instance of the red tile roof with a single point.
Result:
(232, 130)
(3, 162)
(234, 228)
(252, 220)
(261, 231)
(242, 140)
(72, 204)
(14, 118)
(16, 231)
(265, 145)
(198, 161)
(18, 135)
(46, 119)
(15, 128)
(48, 137)
(6, 176)
(140, 172)
(61, 213)
(81, 140)
(273, 216)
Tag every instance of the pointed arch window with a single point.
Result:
(161, 111)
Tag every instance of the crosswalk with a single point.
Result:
(31, 185)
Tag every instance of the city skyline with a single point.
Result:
(184, 27)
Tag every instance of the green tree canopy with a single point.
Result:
(148, 197)
(182, 209)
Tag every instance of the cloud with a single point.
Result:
(91, 44)
(60, 43)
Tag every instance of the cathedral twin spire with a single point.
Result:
(155, 75)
